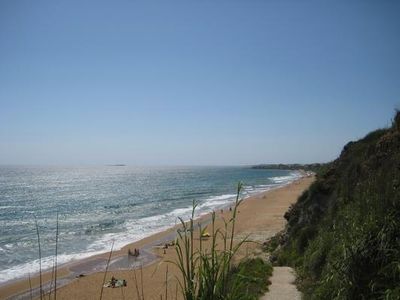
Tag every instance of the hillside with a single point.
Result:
(315, 167)
(343, 234)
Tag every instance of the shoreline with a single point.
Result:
(120, 262)
(79, 247)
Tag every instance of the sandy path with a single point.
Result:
(282, 285)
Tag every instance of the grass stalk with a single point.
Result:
(105, 273)
(237, 202)
(52, 279)
(122, 293)
(56, 256)
(205, 271)
(136, 283)
(30, 286)
(141, 280)
(166, 284)
(40, 259)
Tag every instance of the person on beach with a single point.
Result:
(135, 252)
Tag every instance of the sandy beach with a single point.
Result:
(260, 216)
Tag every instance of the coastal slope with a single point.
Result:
(342, 233)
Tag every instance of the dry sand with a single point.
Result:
(261, 216)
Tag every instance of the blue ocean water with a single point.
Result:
(97, 205)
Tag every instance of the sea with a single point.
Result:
(99, 205)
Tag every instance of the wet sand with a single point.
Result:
(260, 216)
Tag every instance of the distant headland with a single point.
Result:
(306, 167)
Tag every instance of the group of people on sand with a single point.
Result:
(222, 210)
(114, 281)
(135, 252)
(166, 245)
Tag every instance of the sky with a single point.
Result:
(194, 82)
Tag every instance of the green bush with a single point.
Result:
(209, 273)
(249, 279)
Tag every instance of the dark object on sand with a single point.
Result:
(115, 283)
(135, 253)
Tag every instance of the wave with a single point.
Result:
(286, 179)
(220, 198)
(32, 267)
(147, 226)
(11, 206)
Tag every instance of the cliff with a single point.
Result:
(343, 234)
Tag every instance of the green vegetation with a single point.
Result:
(343, 232)
(316, 167)
(249, 280)
(208, 272)
(53, 281)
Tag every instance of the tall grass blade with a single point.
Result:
(166, 284)
(141, 280)
(136, 284)
(52, 279)
(205, 271)
(40, 259)
(30, 286)
(105, 273)
(56, 256)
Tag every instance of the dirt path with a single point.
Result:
(282, 285)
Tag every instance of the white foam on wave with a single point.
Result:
(11, 206)
(286, 179)
(144, 227)
(180, 211)
(136, 230)
(33, 267)
(277, 181)
(263, 186)
(222, 197)
(216, 202)
(280, 179)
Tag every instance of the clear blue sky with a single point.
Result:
(194, 82)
